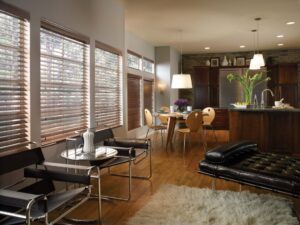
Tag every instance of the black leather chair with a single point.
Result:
(141, 147)
(37, 198)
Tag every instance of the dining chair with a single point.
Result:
(209, 117)
(151, 125)
(194, 124)
(162, 118)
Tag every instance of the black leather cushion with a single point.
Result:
(266, 170)
(228, 152)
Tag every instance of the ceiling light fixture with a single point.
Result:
(242, 46)
(258, 60)
(280, 36)
(207, 48)
(280, 44)
(290, 23)
(181, 81)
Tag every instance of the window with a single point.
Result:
(134, 60)
(14, 56)
(148, 65)
(64, 72)
(108, 86)
(134, 105)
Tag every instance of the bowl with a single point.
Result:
(278, 103)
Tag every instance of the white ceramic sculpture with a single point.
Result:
(88, 141)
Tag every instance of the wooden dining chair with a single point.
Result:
(194, 123)
(162, 118)
(209, 117)
(151, 125)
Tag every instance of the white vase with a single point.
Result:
(88, 141)
(225, 62)
(207, 63)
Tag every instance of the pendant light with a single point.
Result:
(254, 65)
(258, 59)
(181, 81)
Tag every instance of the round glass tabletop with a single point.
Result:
(101, 153)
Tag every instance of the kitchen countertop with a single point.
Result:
(266, 109)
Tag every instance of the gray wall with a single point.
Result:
(167, 60)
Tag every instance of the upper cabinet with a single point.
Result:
(284, 82)
(205, 87)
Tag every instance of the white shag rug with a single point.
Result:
(182, 205)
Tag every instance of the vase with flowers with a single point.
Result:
(248, 82)
(181, 104)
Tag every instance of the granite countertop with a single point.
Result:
(266, 109)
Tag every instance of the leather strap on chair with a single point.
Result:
(56, 175)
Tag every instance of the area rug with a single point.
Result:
(181, 205)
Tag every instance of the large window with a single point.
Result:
(134, 60)
(108, 86)
(13, 80)
(64, 72)
(134, 103)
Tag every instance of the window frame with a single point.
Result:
(107, 48)
(19, 123)
(84, 41)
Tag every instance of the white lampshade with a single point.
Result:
(254, 65)
(181, 81)
(260, 59)
(256, 62)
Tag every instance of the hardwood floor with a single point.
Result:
(170, 166)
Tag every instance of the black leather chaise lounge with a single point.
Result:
(243, 163)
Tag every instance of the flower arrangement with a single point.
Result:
(248, 83)
(181, 103)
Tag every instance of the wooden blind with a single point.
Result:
(108, 86)
(148, 95)
(134, 104)
(14, 58)
(64, 71)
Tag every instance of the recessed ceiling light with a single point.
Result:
(280, 44)
(207, 48)
(242, 46)
(290, 23)
(280, 36)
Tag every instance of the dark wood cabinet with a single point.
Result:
(205, 87)
(273, 130)
(284, 83)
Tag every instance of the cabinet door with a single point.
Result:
(200, 79)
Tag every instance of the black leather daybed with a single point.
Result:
(243, 163)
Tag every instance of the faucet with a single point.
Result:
(262, 103)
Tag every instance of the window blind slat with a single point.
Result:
(108, 87)
(13, 81)
(64, 66)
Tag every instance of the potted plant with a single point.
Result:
(181, 104)
(248, 83)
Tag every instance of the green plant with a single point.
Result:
(248, 83)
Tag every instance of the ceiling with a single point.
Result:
(223, 25)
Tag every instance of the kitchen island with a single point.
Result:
(274, 130)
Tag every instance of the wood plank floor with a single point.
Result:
(170, 166)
